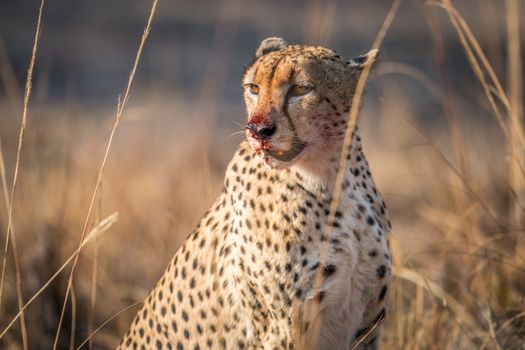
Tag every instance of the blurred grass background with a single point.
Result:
(453, 180)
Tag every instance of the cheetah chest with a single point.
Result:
(279, 246)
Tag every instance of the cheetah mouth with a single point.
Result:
(289, 155)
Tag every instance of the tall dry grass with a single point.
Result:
(455, 193)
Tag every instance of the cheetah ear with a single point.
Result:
(270, 44)
(360, 62)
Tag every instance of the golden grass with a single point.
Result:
(9, 203)
(458, 249)
(120, 108)
(92, 333)
(515, 77)
(99, 229)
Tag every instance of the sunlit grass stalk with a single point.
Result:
(448, 103)
(73, 318)
(516, 176)
(93, 291)
(120, 109)
(312, 312)
(512, 125)
(16, 258)
(414, 73)
(96, 232)
(471, 325)
(92, 334)
(477, 60)
(9, 232)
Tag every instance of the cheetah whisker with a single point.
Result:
(241, 132)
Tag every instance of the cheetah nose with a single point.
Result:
(262, 132)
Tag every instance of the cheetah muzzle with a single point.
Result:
(247, 276)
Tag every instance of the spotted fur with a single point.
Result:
(243, 279)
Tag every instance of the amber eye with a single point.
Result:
(299, 90)
(253, 88)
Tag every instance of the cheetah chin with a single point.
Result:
(270, 156)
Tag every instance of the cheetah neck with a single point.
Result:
(277, 221)
(320, 170)
(315, 177)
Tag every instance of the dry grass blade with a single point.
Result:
(474, 53)
(474, 63)
(469, 323)
(96, 232)
(120, 109)
(73, 318)
(93, 294)
(106, 322)
(513, 108)
(515, 78)
(482, 57)
(364, 336)
(510, 320)
(18, 277)
(414, 73)
(483, 255)
(27, 95)
(94, 275)
(352, 121)
(513, 127)
(464, 181)
(8, 205)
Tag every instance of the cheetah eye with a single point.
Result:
(299, 90)
(253, 88)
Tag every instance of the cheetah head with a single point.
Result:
(297, 98)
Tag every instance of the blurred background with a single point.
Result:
(451, 172)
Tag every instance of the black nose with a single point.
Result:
(262, 131)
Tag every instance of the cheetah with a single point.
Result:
(245, 276)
